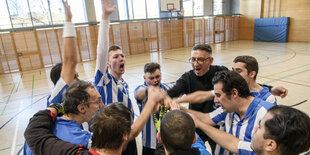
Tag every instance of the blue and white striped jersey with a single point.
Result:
(240, 128)
(56, 95)
(149, 131)
(110, 89)
(265, 95)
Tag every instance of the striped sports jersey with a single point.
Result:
(110, 89)
(149, 131)
(240, 128)
(265, 95)
(56, 95)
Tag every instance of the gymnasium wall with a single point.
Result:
(28, 50)
(297, 10)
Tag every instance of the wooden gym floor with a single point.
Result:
(281, 64)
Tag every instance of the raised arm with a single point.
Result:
(103, 40)
(69, 54)
(155, 96)
(196, 97)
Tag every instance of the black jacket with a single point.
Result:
(42, 141)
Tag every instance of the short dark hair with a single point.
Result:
(109, 125)
(177, 131)
(114, 47)
(230, 80)
(151, 67)
(75, 95)
(250, 63)
(203, 47)
(290, 128)
(55, 73)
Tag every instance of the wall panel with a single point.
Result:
(164, 35)
(188, 32)
(27, 50)
(219, 27)
(209, 30)
(176, 37)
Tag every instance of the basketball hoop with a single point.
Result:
(171, 9)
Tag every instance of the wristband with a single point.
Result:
(69, 30)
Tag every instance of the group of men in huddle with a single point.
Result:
(229, 109)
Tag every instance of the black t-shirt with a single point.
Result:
(189, 83)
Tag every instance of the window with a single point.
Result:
(188, 7)
(198, 7)
(152, 9)
(19, 12)
(78, 10)
(122, 9)
(139, 9)
(98, 9)
(217, 7)
(5, 22)
(40, 12)
(130, 11)
(57, 11)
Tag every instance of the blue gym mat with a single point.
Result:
(271, 29)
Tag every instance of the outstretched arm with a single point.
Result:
(155, 96)
(204, 117)
(103, 40)
(69, 54)
(222, 138)
(196, 97)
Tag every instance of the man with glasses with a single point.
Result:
(80, 101)
(63, 74)
(199, 78)
(111, 125)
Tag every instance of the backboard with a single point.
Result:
(169, 5)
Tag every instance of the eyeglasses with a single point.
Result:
(96, 102)
(199, 60)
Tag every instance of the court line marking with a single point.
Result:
(9, 147)
(274, 79)
(21, 112)
(283, 77)
(298, 80)
(7, 101)
(287, 70)
(15, 132)
(26, 97)
(19, 83)
(31, 101)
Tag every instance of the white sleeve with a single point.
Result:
(102, 47)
